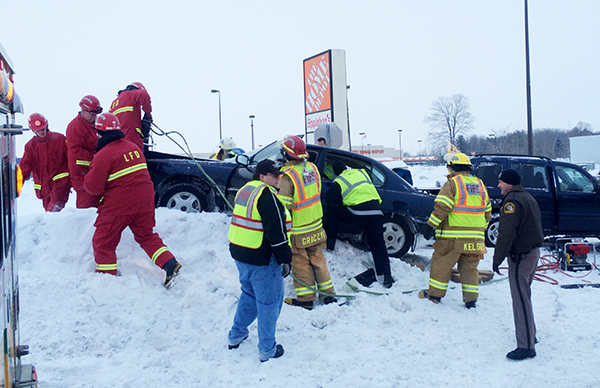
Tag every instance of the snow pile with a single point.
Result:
(92, 330)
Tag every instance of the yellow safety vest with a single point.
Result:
(246, 228)
(357, 187)
(467, 215)
(306, 201)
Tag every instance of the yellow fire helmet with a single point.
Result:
(459, 158)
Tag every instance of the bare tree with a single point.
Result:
(450, 118)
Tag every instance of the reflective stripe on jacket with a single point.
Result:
(467, 210)
(81, 145)
(128, 108)
(119, 172)
(305, 203)
(46, 159)
(356, 187)
(246, 228)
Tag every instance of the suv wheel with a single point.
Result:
(491, 234)
(183, 196)
(397, 236)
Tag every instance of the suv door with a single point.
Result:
(578, 200)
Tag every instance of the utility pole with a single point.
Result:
(528, 81)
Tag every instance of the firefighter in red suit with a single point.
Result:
(119, 172)
(81, 145)
(46, 156)
(128, 108)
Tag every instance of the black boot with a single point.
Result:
(388, 280)
(172, 268)
(521, 354)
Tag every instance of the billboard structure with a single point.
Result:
(325, 98)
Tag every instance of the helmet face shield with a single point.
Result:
(90, 104)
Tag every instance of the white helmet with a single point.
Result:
(227, 143)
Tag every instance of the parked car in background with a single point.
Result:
(400, 168)
(180, 184)
(568, 196)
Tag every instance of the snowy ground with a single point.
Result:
(91, 330)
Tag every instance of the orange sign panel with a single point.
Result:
(317, 83)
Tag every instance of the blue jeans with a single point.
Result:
(262, 297)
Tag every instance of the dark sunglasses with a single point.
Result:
(95, 112)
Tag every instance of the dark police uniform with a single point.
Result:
(520, 235)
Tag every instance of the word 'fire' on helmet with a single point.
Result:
(37, 122)
(227, 143)
(107, 122)
(91, 104)
(295, 148)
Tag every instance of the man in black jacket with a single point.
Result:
(520, 235)
(259, 244)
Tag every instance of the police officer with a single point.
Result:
(520, 235)
(353, 198)
(259, 244)
(460, 216)
(300, 191)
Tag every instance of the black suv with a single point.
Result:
(568, 196)
(179, 184)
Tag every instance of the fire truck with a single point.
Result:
(14, 373)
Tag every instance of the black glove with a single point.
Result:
(146, 125)
(496, 269)
(286, 268)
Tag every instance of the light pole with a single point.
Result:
(400, 142)
(419, 141)
(369, 145)
(528, 85)
(220, 129)
(362, 145)
(252, 128)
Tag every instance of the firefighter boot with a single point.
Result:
(172, 268)
(424, 295)
(295, 302)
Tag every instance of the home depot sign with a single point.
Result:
(325, 93)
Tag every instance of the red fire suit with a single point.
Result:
(119, 171)
(47, 159)
(81, 147)
(128, 109)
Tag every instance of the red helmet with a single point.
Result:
(91, 104)
(138, 85)
(295, 147)
(107, 122)
(37, 121)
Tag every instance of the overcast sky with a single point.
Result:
(400, 56)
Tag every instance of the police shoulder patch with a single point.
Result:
(509, 207)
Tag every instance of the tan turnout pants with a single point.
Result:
(443, 260)
(309, 265)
